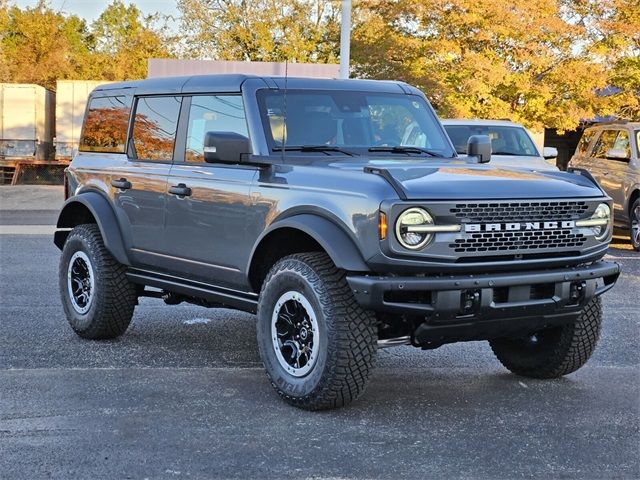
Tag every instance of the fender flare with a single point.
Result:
(105, 217)
(333, 239)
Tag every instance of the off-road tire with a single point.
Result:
(114, 299)
(348, 333)
(634, 221)
(558, 351)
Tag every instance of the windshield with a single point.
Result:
(504, 140)
(351, 122)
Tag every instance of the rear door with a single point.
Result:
(206, 229)
(141, 184)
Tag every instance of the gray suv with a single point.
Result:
(339, 212)
(611, 153)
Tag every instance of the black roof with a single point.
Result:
(233, 83)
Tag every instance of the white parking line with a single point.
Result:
(27, 229)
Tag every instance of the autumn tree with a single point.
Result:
(40, 46)
(262, 30)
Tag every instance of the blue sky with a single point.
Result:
(90, 9)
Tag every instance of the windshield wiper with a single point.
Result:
(503, 153)
(313, 148)
(405, 149)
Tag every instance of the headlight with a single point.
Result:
(600, 222)
(410, 230)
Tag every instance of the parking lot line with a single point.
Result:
(27, 229)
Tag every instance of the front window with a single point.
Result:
(351, 121)
(209, 113)
(505, 140)
(604, 143)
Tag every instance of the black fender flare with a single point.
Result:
(332, 238)
(105, 217)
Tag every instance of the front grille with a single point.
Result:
(507, 211)
(523, 240)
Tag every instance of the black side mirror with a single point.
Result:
(225, 147)
(479, 146)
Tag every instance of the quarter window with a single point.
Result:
(105, 125)
(154, 127)
(220, 113)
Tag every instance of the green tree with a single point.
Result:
(125, 39)
(261, 30)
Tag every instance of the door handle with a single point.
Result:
(122, 184)
(181, 190)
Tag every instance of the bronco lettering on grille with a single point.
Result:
(517, 226)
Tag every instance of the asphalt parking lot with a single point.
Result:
(183, 395)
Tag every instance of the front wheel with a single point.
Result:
(635, 225)
(317, 344)
(553, 352)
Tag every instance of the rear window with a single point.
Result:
(154, 128)
(105, 125)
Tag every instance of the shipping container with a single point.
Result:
(26, 121)
(71, 101)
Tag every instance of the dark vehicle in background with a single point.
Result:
(611, 153)
(511, 143)
(337, 211)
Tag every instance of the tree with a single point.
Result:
(262, 30)
(40, 46)
(125, 39)
(520, 59)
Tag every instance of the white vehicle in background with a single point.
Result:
(511, 143)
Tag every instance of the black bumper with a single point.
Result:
(473, 307)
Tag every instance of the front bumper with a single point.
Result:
(470, 307)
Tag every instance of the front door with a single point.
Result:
(141, 185)
(208, 213)
(610, 172)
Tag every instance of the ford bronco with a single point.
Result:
(339, 212)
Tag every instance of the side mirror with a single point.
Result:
(618, 154)
(550, 152)
(225, 147)
(479, 146)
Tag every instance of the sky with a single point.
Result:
(90, 9)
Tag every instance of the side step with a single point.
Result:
(245, 301)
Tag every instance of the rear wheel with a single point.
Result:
(317, 344)
(635, 225)
(553, 352)
(96, 294)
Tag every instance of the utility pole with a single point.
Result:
(345, 38)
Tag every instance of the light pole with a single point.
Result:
(345, 38)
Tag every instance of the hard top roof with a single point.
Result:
(479, 122)
(628, 125)
(233, 83)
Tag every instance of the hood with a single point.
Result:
(457, 179)
(526, 162)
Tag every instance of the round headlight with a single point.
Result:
(408, 231)
(602, 212)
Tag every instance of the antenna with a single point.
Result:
(284, 120)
